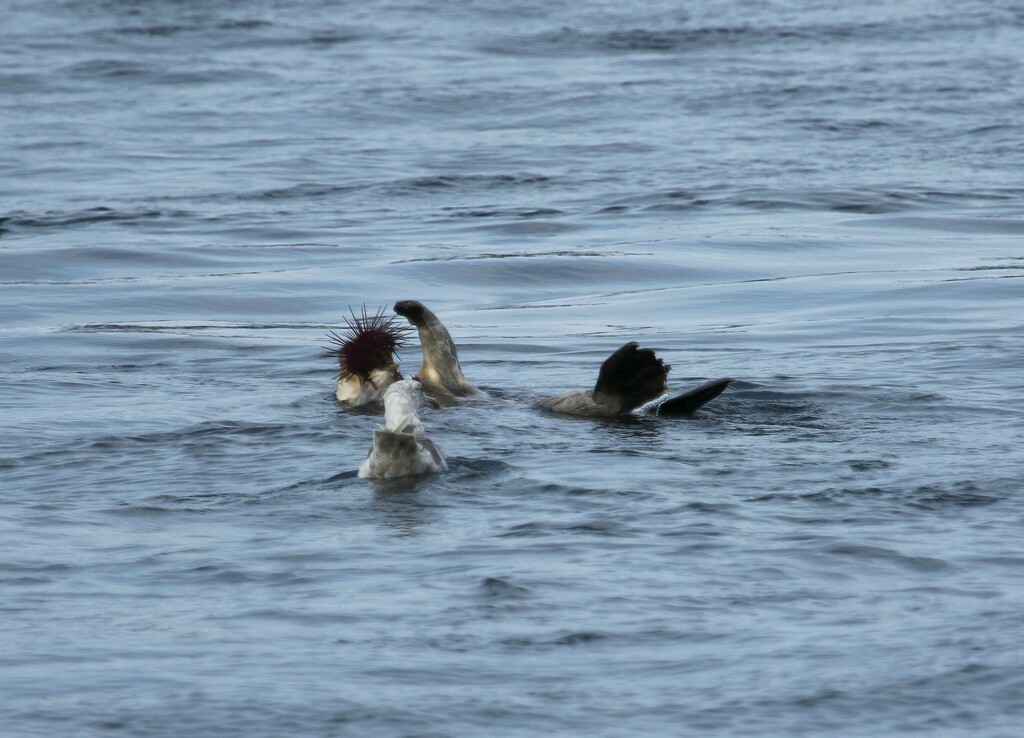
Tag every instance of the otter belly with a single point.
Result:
(579, 402)
(433, 381)
(354, 391)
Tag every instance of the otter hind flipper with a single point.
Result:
(633, 376)
(440, 372)
(688, 402)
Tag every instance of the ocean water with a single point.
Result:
(822, 200)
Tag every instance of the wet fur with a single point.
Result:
(629, 378)
(440, 373)
(400, 446)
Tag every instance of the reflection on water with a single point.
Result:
(398, 507)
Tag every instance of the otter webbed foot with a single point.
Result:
(631, 377)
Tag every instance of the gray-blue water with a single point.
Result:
(819, 198)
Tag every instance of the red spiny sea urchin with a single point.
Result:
(368, 342)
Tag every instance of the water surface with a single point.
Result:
(820, 200)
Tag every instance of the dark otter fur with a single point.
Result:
(629, 378)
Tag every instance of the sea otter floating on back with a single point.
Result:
(629, 379)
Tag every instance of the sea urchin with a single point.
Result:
(367, 343)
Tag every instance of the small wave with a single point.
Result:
(173, 29)
(595, 527)
(865, 552)
(866, 465)
(221, 428)
(212, 574)
(995, 128)
(574, 40)
(148, 511)
(244, 24)
(501, 589)
(90, 216)
(118, 69)
(479, 468)
(335, 36)
(865, 202)
(932, 498)
(518, 255)
(507, 213)
(303, 191)
(832, 125)
(293, 616)
(418, 185)
(185, 328)
(821, 548)
(121, 70)
(326, 37)
(166, 29)
(839, 201)
(964, 494)
(212, 75)
(686, 38)
(571, 638)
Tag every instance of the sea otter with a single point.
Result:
(440, 373)
(631, 378)
(400, 446)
